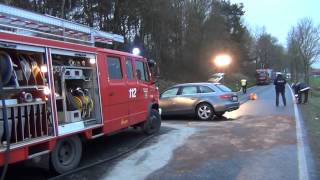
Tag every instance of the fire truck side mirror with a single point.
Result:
(155, 72)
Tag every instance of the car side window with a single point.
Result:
(170, 93)
(188, 90)
(114, 68)
(205, 89)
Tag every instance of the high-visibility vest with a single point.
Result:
(243, 82)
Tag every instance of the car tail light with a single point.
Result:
(226, 96)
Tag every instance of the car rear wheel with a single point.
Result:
(204, 111)
(66, 155)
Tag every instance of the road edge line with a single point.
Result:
(302, 161)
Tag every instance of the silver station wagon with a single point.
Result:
(205, 100)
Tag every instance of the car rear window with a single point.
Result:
(205, 89)
(223, 88)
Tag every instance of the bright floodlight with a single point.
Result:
(92, 61)
(222, 60)
(46, 91)
(136, 51)
(43, 68)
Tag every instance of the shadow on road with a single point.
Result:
(193, 119)
(93, 151)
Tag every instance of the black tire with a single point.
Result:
(153, 123)
(219, 114)
(66, 155)
(204, 111)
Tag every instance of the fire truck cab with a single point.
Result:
(57, 88)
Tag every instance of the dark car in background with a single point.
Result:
(205, 100)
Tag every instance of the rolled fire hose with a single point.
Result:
(87, 105)
(71, 105)
(36, 72)
(6, 68)
(78, 103)
(90, 104)
(25, 67)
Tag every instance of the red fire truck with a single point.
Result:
(58, 89)
(263, 76)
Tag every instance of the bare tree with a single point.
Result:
(295, 61)
(305, 37)
(268, 52)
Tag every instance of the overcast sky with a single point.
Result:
(278, 16)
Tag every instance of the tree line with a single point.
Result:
(303, 48)
(183, 36)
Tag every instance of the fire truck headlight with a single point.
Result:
(92, 61)
(44, 68)
(46, 91)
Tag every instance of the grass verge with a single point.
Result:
(311, 115)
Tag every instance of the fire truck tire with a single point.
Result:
(153, 124)
(66, 155)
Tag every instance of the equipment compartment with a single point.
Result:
(24, 86)
(76, 90)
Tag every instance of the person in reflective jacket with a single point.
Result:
(299, 89)
(280, 88)
(243, 83)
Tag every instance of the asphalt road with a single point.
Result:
(258, 141)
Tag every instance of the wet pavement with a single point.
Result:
(258, 141)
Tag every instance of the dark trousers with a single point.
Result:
(244, 89)
(305, 94)
(283, 97)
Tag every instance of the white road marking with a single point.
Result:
(302, 161)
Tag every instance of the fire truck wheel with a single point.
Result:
(153, 124)
(66, 155)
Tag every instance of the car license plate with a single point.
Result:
(234, 98)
